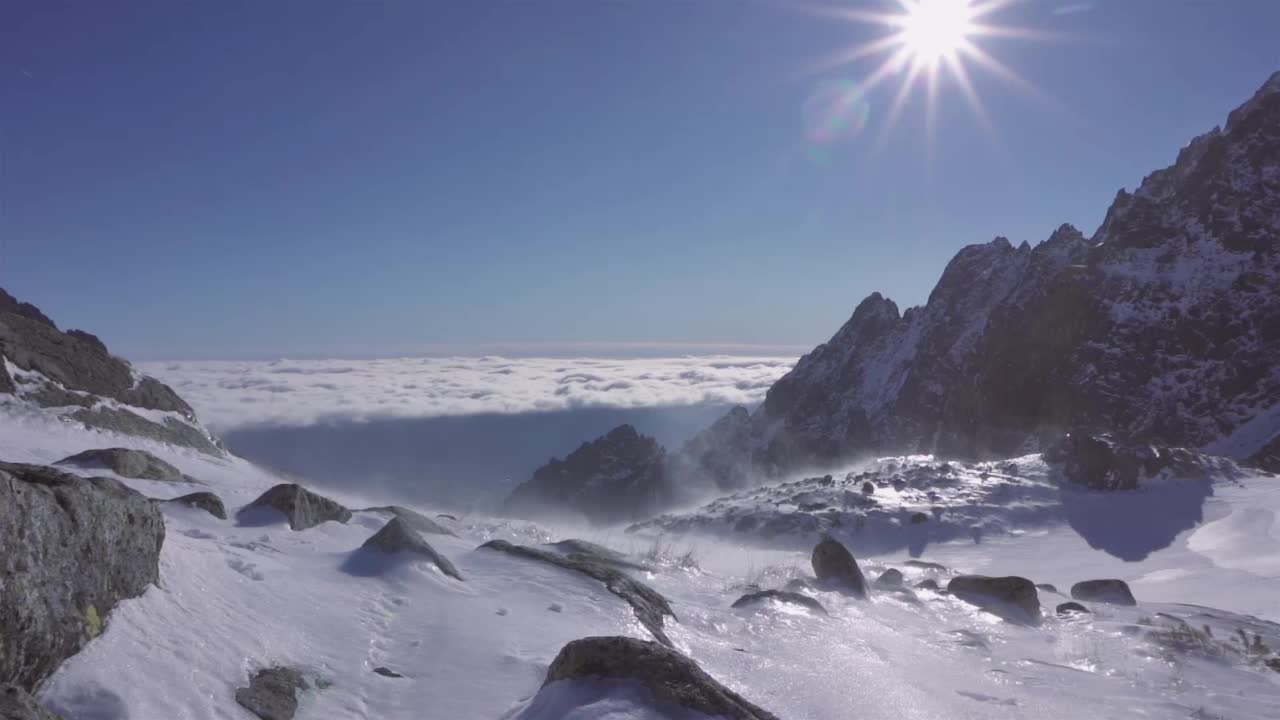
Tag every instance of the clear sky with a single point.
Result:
(249, 179)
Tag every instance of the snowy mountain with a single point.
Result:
(1163, 327)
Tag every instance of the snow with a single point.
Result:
(234, 598)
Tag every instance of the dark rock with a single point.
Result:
(301, 507)
(10, 304)
(918, 518)
(416, 520)
(398, 536)
(891, 578)
(73, 549)
(387, 672)
(272, 693)
(205, 501)
(921, 564)
(16, 704)
(128, 463)
(49, 395)
(868, 488)
(619, 476)
(1113, 592)
(174, 432)
(78, 361)
(1011, 598)
(1046, 587)
(675, 681)
(597, 552)
(781, 596)
(928, 584)
(649, 606)
(833, 564)
(1068, 608)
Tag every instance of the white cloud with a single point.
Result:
(230, 394)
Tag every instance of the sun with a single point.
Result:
(923, 41)
(936, 29)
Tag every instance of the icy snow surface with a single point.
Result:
(232, 599)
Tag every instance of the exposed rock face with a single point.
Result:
(650, 607)
(1164, 328)
(785, 596)
(126, 463)
(17, 704)
(272, 693)
(675, 680)
(834, 564)
(398, 536)
(891, 578)
(619, 476)
(1012, 598)
(205, 501)
(1114, 592)
(301, 507)
(1099, 462)
(75, 369)
(73, 549)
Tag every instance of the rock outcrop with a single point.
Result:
(126, 462)
(205, 501)
(301, 507)
(785, 596)
(619, 476)
(73, 549)
(650, 607)
(272, 693)
(398, 536)
(414, 519)
(73, 375)
(833, 564)
(675, 681)
(1011, 598)
(1110, 591)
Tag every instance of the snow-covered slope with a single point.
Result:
(233, 598)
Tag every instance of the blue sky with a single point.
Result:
(252, 179)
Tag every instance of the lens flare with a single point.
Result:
(924, 39)
(835, 110)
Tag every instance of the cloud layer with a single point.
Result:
(230, 395)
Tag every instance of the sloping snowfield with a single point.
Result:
(234, 598)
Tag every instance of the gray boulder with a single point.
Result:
(923, 565)
(833, 564)
(126, 462)
(786, 596)
(1011, 598)
(398, 536)
(650, 607)
(17, 704)
(1047, 587)
(1068, 608)
(272, 693)
(1113, 592)
(205, 501)
(301, 507)
(891, 578)
(675, 681)
(928, 584)
(609, 556)
(415, 520)
(73, 548)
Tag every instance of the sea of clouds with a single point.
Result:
(238, 394)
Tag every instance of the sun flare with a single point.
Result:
(923, 41)
(936, 29)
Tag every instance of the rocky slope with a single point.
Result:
(1163, 327)
(72, 375)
